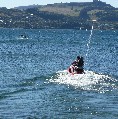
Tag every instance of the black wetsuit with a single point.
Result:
(79, 66)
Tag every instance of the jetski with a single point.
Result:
(22, 36)
(75, 70)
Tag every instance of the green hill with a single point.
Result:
(62, 16)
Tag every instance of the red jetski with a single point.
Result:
(75, 70)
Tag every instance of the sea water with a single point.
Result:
(35, 84)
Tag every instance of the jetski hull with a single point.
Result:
(73, 71)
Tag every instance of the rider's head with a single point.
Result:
(78, 57)
(81, 58)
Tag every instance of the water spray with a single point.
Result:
(89, 41)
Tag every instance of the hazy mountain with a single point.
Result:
(26, 7)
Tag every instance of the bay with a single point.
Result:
(34, 83)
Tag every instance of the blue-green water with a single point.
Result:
(34, 83)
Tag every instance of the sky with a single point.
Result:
(16, 3)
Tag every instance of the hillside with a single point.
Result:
(61, 15)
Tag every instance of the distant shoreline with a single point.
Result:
(73, 15)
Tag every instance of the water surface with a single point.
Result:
(34, 83)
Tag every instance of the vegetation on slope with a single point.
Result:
(61, 15)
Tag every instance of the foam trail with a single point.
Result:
(88, 81)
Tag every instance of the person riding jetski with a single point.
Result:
(77, 66)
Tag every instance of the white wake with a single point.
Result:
(87, 81)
